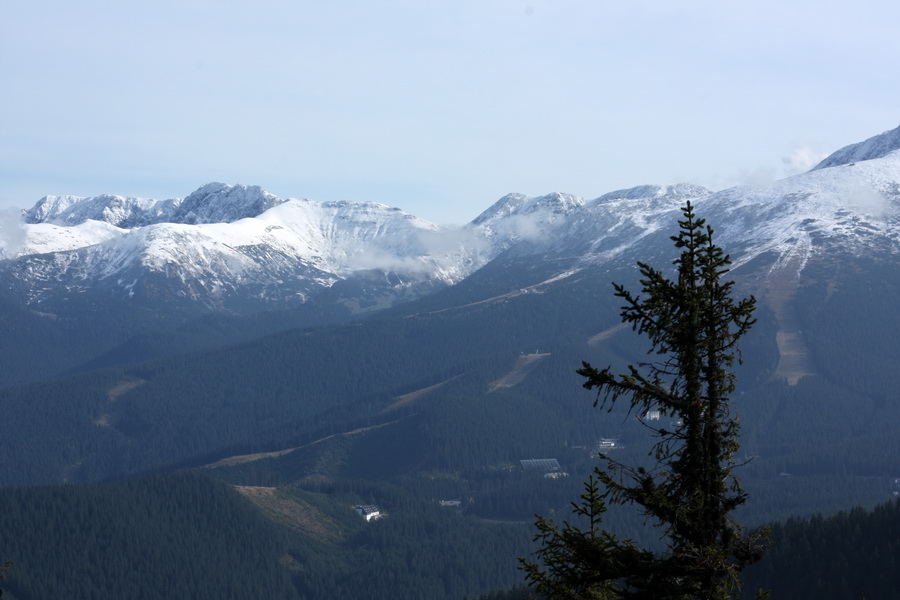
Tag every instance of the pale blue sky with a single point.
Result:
(437, 107)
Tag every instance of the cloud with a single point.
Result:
(12, 231)
(801, 159)
(450, 241)
(528, 227)
(382, 261)
(422, 252)
(866, 200)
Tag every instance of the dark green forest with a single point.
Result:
(172, 536)
(852, 554)
(184, 535)
(438, 400)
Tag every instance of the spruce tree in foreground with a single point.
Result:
(7, 566)
(693, 325)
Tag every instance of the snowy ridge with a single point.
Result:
(45, 238)
(212, 203)
(119, 211)
(225, 241)
(682, 191)
(878, 146)
(228, 241)
(855, 207)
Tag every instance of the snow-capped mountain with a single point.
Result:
(85, 277)
(877, 146)
(222, 242)
(212, 203)
(851, 206)
(224, 246)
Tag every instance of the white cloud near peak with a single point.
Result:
(801, 159)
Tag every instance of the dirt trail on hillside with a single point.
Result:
(794, 361)
(606, 334)
(525, 364)
(407, 399)
(245, 458)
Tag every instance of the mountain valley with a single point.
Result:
(307, 358)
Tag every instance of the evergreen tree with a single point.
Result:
(4, 570)
(693, 325)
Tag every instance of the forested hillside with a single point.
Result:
(440, 401)
(38, 346)
(185, 536)
(172, 536)
(853, 554)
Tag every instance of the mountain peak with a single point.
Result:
(877, 146)
(520, 204)
(222, 203)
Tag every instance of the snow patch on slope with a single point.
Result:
(44, 238)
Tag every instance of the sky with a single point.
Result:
(436, 107)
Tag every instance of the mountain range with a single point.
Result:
(234, 241)
(320, 355)
(238, 250)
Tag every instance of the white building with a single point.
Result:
(368, 512)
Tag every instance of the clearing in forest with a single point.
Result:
(524, 366)
(794, 361)
(291, 511)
